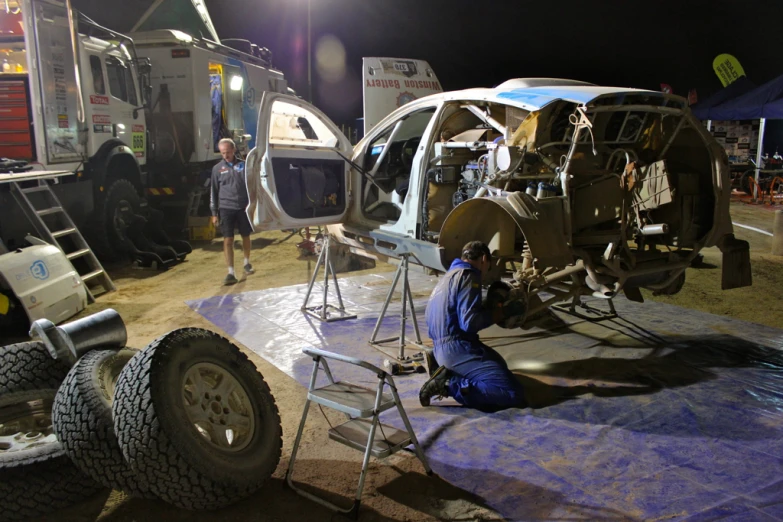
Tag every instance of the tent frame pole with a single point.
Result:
(759, 152)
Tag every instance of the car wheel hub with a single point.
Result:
(218, 407)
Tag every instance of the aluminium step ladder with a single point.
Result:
(362, 406)
(91, 272)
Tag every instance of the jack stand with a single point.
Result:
(325, 312)
(590, 313)
(401, 362)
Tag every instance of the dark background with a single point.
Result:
(613, 42)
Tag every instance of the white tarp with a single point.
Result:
(390, 83)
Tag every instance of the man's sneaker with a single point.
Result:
(249, 269)
(230, 279)
(437, 386)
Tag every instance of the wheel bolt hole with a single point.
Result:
(217, 397)
(225, 411)
(206, 396)
(222, 422)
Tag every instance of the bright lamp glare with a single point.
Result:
(236, 83)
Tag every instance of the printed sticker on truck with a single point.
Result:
(101, 118)
(96, 99)
(137, 140)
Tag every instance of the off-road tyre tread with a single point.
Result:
(29, 366)
(84, 425)
(97, 226)
(40, 481)
(148, 449)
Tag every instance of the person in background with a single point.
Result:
(228, 201)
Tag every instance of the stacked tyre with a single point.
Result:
(36, 475)
(196, 421)
(188, 419)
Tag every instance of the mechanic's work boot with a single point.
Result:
(230, 280)
(437, 386)
(430, 363)
(249, 269)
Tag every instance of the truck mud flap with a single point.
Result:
(154, 230)
(143, 250)
(736, 263)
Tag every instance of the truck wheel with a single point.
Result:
(196, 420)
(28, 366)
(83, 422)
(36, 476)
(112, 216)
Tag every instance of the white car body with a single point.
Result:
(628, 204)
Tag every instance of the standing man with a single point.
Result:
(471, 372)
(228, 201)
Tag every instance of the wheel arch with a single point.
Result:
(113, 161)
(496, 222)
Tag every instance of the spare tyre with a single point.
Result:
(83, 422)
(29, 366)
(36, 476)
(196, 420)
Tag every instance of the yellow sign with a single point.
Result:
(727, 68)
(138, 141)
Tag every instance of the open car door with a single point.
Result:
(295, 174)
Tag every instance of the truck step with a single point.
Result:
(30, 190)
(78, 253)
(92, 275)
(64, 232)
(47, 211)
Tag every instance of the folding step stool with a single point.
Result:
(93, 272)
(359, 404)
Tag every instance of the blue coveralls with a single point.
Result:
(481, 378)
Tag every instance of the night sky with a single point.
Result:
(612, 42)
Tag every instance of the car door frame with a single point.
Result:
(265, 209)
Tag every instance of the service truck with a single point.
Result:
(132, 117)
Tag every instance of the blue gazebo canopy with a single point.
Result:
(765, 101)
(737, 88)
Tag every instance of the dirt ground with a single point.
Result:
(153, 303)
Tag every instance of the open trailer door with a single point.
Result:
(296, 176)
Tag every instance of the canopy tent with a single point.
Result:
(703, 109)
(765, 101)
(761, 103)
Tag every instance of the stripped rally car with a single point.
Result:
(577, 189)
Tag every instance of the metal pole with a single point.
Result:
(309, 58)
(762, 124)
(386, 304)
(403, 301)
(315, 273)
(327, 264)
(413, 311)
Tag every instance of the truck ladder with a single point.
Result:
(92, 272)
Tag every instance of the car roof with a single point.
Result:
(533, 94)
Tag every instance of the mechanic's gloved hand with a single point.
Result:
(514, 308)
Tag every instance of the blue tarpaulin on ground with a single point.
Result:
(765, 101)
(662, 413)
